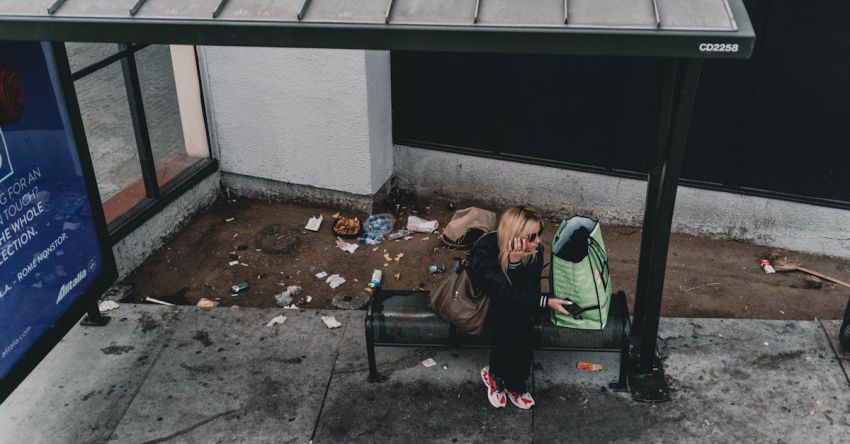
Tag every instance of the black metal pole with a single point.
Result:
(93, 317)
(665, 176)
(653, 190)
(140, 123)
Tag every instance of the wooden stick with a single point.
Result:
(782, 268)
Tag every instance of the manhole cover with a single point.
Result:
(350, 300)
(275, 239)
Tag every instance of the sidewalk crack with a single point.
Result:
(330, 378)
(190, 428)
(834, 351)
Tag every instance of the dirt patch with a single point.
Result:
(704, 277)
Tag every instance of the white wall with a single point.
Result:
(311, 117)
(500, 183)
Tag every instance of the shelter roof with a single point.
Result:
(681, 28)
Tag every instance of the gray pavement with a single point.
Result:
(184, 375)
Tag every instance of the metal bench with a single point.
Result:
(400, 318)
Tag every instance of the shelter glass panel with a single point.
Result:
(174, 150)
(109, 131)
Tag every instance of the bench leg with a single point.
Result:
(374, 376)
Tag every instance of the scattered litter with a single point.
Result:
(107, 305)
(232, 263)
(291, 307)
(331, 322)
(157, 301)
(259, 250)
(420, 225)
(687, 289)
(205, 303)
(387, 257)
(375, 249)
(430, 362)
(436, 269)
(398, 257)
(706, 424)
(425, 238)
(285, 298)
(235, 234)
(308, 298)
(240, 287)
(445, 367)
(377, 276)
(386, 265)
(588, 366)
(335, 280)
(766, 343)
(345, 246)
(316, 271)
(276, 320)
(397, 275)
(395, 235)
(244, 264)
(229, 219)
(765, 265)
(346, 226)
(314, 223)
(781, 312)
(408, 237)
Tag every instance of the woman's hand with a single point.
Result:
(519, 248)
(558, 305)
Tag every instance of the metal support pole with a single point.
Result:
(647, 378)
(94, 318)
(140, 122)
(653, 190)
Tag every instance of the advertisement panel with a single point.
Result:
(53, 251)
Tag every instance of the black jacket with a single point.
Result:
(523, 289)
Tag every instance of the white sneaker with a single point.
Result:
(523, 401)
(495, 390)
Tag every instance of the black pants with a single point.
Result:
(512, 352)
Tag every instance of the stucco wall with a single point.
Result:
(499, 184)
(302, 116)
(133, 249)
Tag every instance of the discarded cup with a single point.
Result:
(377, 275)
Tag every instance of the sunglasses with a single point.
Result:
(534, 236)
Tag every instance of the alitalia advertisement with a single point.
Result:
(49, 250)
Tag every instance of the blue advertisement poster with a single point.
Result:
(49, 248)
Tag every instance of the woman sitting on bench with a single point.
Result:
(507, 265)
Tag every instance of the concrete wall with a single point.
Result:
(313, 117)
(614, 200)
(133, 249)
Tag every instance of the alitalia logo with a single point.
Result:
(67, 287)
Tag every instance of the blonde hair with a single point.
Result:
(516, 222)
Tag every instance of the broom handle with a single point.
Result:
(823, 276)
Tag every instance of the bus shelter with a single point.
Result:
(681, 32)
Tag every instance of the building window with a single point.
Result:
(142, 112)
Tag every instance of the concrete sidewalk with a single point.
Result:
(181, 374)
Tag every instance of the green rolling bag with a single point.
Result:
(580, 273)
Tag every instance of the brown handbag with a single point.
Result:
(457, 302)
